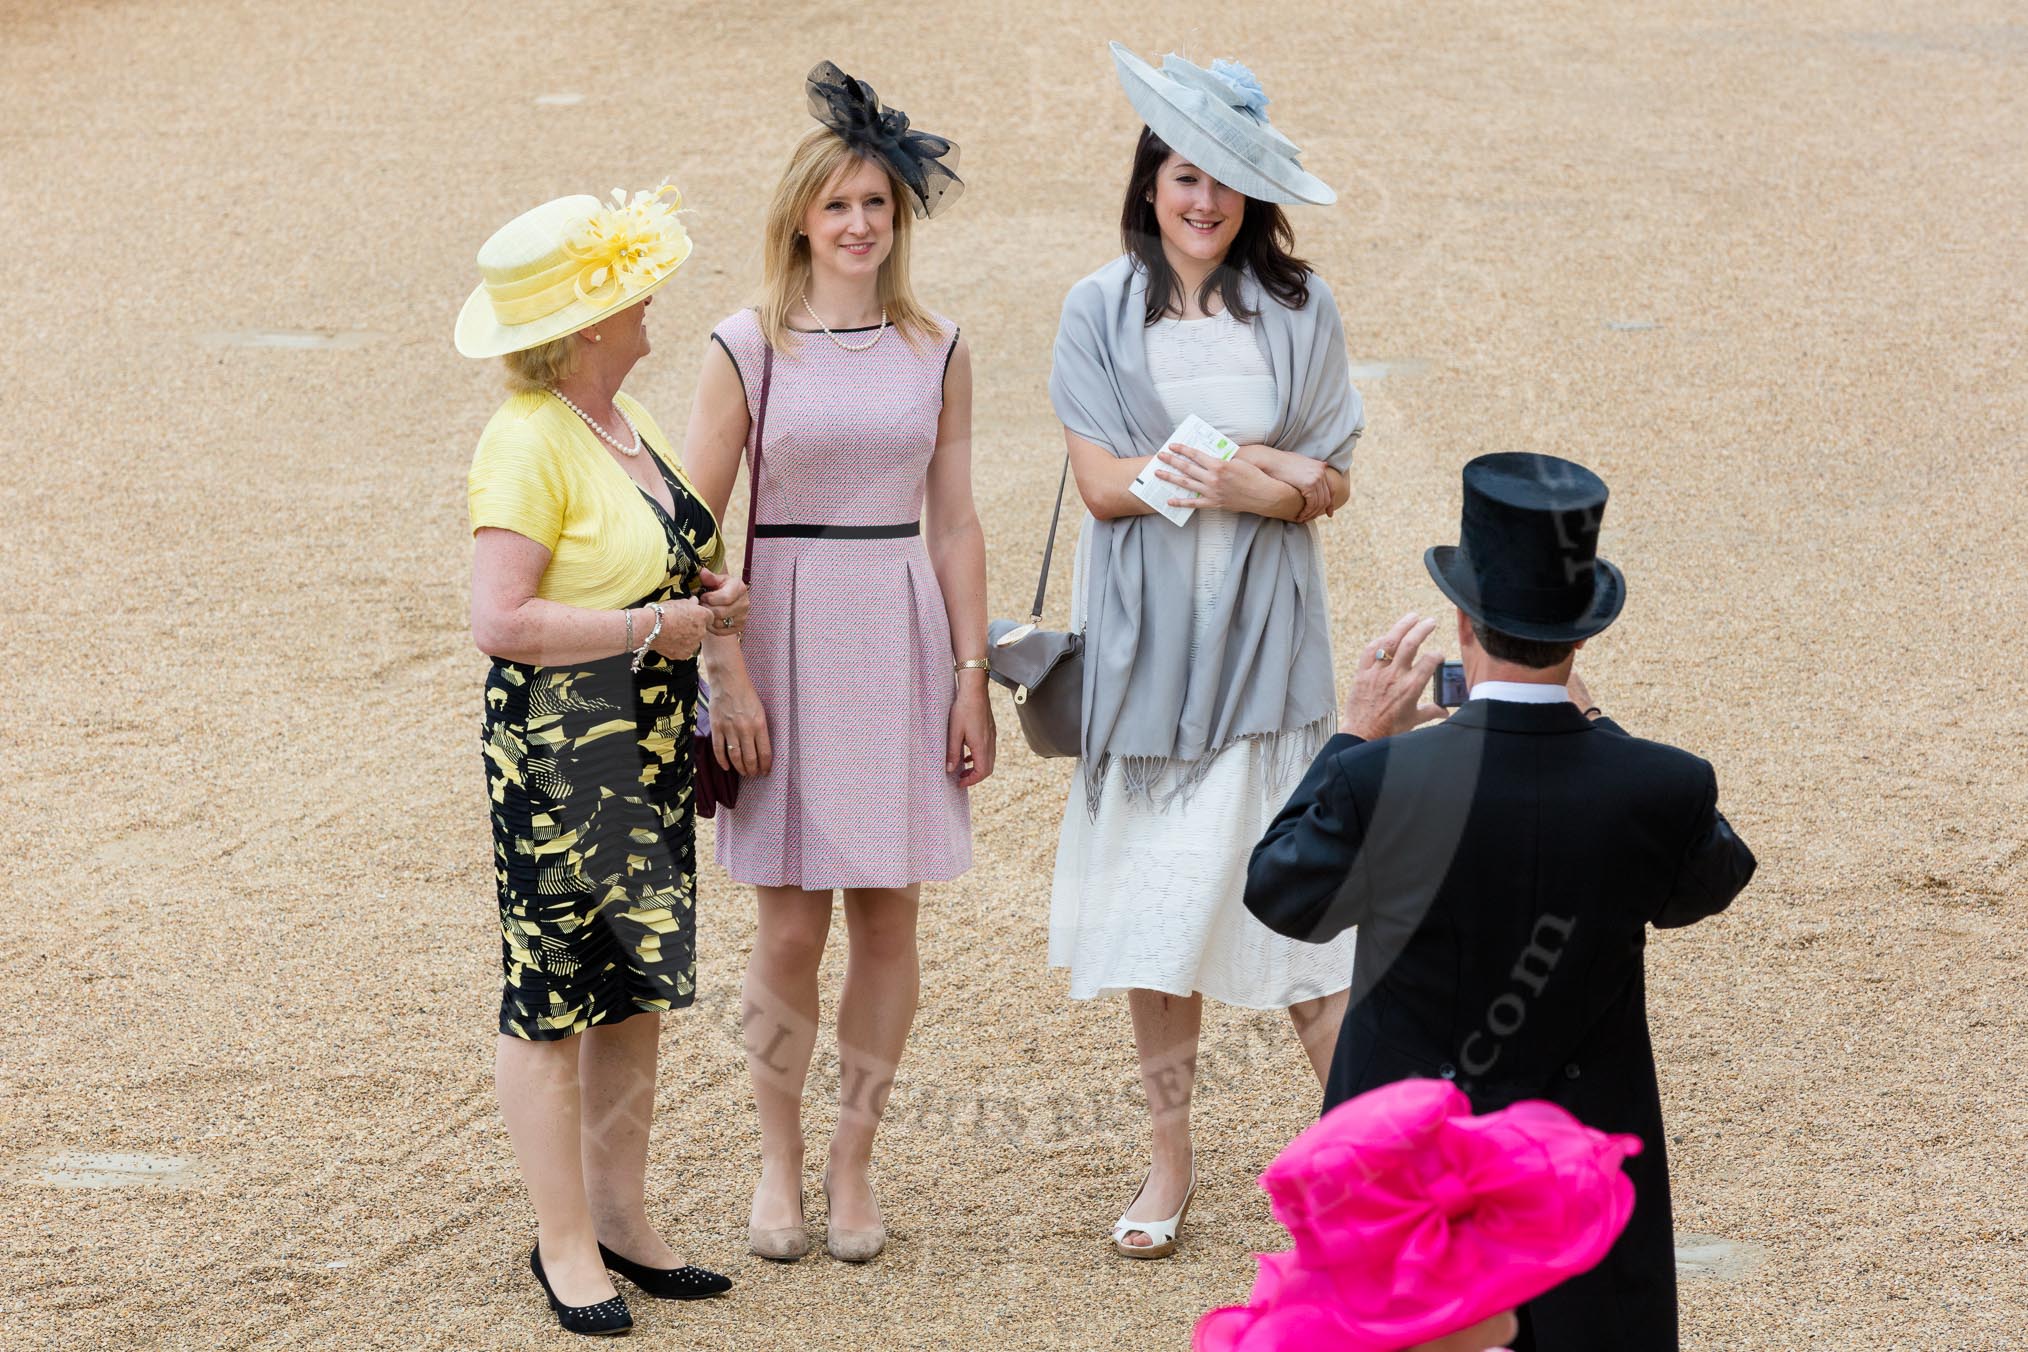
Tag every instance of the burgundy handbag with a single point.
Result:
(712, 783)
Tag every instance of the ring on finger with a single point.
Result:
(1381, 654)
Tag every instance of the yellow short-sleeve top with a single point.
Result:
(540, 472)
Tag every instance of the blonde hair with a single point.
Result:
(785, 253)
(541, 366)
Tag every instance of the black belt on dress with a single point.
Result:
(807, 531)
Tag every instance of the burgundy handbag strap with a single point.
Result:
(753, 471)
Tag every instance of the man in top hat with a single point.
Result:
(1503, 867)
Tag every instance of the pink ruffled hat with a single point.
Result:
(1413, 1219)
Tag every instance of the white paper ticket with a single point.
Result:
(1198, 435)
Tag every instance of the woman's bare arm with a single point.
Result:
(1324, 489)
(957, 546)
(1103, 478)
(957, 550)
(713, 446)
(510, 621)
(715, 441)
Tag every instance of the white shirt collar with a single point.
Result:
(1521, 692)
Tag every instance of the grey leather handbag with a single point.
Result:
(1043, 667)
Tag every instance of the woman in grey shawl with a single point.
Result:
(1207, 675)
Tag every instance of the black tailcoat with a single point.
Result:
(1503, 867)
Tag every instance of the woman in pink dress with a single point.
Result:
(855, 710)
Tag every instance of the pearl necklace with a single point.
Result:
(848, 347)
(604, 435)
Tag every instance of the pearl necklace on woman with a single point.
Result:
(848, 347)
(604, 435)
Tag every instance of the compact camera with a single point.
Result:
(1448, 688)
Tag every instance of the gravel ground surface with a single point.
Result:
(1763, 267)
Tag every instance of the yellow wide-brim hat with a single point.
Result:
(568, 264)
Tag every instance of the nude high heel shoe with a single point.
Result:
(850, 1246)
(781, 1244)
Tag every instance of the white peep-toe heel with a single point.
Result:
(1161, 1234)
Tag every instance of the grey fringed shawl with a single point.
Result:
(1265, 668)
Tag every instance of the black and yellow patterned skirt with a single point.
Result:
(594, 848)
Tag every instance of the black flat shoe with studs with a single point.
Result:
(604, 1319)
(683, 1283)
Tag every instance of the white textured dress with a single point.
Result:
(1148, 896)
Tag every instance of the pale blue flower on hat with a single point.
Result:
(1217, 119)
(1245, 84)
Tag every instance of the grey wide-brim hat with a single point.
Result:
(1217, 119)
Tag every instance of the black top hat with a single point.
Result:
(1527, 560)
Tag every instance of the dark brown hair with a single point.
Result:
(1261, 247)
(1525, 652)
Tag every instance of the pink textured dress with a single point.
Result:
(847, 641)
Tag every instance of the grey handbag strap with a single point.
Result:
(1049, 547)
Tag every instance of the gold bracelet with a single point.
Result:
(972, 664)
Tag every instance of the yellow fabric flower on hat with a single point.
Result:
(630, 244)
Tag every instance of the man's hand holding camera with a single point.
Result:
(1391, 681)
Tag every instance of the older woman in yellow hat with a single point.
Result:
(593, 585)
